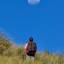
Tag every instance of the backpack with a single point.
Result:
(31, 46)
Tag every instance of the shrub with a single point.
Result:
(4, 44)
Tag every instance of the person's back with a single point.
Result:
(31, 48)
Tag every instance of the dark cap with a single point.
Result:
(31, 39)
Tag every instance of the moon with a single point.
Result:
(33, 2)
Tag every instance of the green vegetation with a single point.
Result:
(12, 54)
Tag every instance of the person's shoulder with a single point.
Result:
(34, 43)
(25, 45)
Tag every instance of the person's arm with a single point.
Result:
(35, 47)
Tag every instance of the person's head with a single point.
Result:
(31, 39)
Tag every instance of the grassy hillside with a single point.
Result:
(12, 54)
(40, 59)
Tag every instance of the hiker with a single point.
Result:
(30, 48)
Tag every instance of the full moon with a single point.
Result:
(33, 2)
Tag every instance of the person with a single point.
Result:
(30, 48)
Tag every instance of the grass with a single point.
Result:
(10, 60)
(13, 54)
(40, 59)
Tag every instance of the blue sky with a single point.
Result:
(45, 22)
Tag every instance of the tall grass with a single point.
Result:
(54, 59)
(12, 54)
